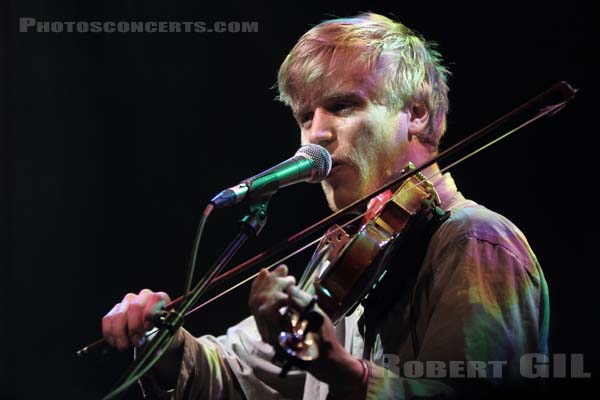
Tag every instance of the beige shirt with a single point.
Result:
(481, 301)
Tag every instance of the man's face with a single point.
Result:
(368, 142)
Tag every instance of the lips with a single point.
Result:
(335, 162)
(335, 165)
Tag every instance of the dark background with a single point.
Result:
(113, 143)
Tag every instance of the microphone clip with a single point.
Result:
(257, 217)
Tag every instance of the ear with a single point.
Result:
(418, 117)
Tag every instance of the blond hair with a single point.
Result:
(409, 69)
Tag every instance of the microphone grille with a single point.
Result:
(321, 159)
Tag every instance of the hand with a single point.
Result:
(126, 323)
(272, 291)
(267, 296)
(334, 366)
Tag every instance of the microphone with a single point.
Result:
(311, 163)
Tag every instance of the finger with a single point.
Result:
(267, 282)
(119, 326)
(272, 304)
(108, 321)
(156, 301)
(281, 270)
(299, 299)
(135, 317)
(278, 300)
(258, 281)
(129, 297)
(281, 284)
(262, 275)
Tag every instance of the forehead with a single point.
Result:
(343, 78)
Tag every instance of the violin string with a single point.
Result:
(546, 111)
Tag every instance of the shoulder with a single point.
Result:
(484, 249)
(471, 223)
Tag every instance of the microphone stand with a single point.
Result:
(169, 321)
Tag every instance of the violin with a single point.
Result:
(346, 266)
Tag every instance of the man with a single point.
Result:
(374, 94)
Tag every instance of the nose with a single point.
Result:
(322, 128)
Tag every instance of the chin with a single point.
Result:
(331, 201)
(330, 197)
(341, 196)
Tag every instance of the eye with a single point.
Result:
(305, 119)
(340, 106)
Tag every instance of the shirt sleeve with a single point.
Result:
(233, 366)
(481, 307)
